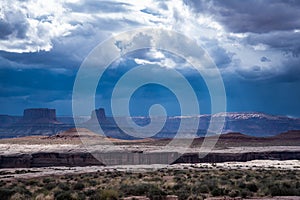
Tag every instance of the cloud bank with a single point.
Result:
(252, 42)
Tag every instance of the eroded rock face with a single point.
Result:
(6, 120)
(98, 114)
(35, 121)
(239, 157)
(44, 114)
(46, 159)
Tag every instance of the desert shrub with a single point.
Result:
(245, 193)
(217, 191)
(233, 193)
(20, 171)
(203, 189)
(92, 182)
(252, 187)
(238, 176)
(81, 196)
(63, 186)
(283, 190)
(155, 179)
(140, 175)
(78, 186)
(105, 195)
(242, 185)
(96, 176)
(21, 190)
(109, 195)
(2, 183)
(200, 188)
(211, 183)
(48, 180)
(63, 195)
(248, 177)
(156, 193)
(95, 196)
(50, 186)
(150, 190)
(5, 193)
(137, 190)
(179, 178)
(177, 186)
(18, 196)
(183, 191)
(89, 192)
(32, 182)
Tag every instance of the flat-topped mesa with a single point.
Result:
(98, 114)
(39, 113)
(44, 115)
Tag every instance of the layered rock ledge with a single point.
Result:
(76, 155)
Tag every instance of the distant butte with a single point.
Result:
(39, 115)
(98, 114)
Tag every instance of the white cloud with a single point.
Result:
(79, 25)
(43, 21)
(156, 57)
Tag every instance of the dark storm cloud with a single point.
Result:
(261, 95)
(197, 5)
(257, 16)
(35, 79)
(255, 73)
(221, 56)
(273, 24)
(291, 71)
(5, 29)
(47, 60)
(270, 22)
(286, 72)
(287, 41)
(264, 59)
(13, 25)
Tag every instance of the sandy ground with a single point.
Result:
(48, 171)
(260, 198)
(7, 149)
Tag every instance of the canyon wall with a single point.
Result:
(45, 159)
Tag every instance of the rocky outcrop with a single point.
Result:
(239, 157)
(103, 125)
(46, 159)
(39, 115)
(98, 114)
(35, 121)
(7, 120)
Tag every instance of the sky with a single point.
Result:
(255, 44)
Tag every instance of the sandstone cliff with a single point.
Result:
(35, 121)
(46, 159)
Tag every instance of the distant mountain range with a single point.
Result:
(43, 121)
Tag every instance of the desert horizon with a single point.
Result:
(149, 100)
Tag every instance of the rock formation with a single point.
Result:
(39, 115)
(35, 121)
(46, 159)
(98, 114)
(7, 120)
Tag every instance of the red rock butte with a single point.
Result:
(98, 114)
(39, 115)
